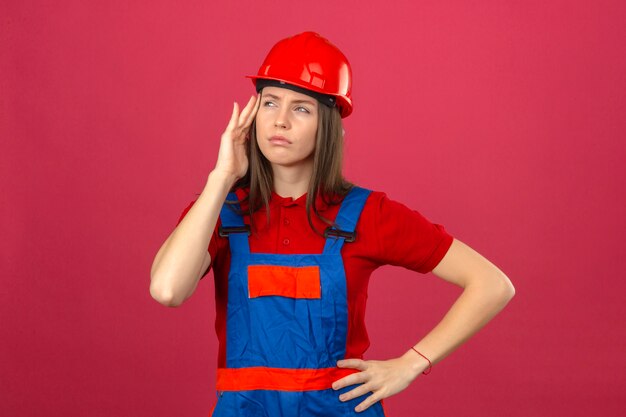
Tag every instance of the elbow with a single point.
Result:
(506, 290)
(164, 296)
(511, 291)
(496, 286)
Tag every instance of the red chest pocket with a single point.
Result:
(286, 281)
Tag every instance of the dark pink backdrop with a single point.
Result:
(502, 120)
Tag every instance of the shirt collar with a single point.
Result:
(300, 201)
(279, 201)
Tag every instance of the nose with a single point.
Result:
(282, 118)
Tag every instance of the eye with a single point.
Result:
(302, 109)
(268, 103)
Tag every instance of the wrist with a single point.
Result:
(225, 178)
(419, 364)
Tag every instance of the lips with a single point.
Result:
(280, 140)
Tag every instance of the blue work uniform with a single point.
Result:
(286, 325)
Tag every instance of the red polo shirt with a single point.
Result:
(387, 232)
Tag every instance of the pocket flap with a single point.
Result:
(286, 281)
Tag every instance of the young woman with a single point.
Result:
(292, 245)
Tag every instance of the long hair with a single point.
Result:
(326, 180)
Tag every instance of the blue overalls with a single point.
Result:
(287, 318)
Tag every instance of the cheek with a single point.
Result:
(260, 126)
(260, 119)
(309, 144)
(313, 133)
(260, 144)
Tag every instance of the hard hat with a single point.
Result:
(311, 62)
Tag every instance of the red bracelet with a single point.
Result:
(430, 365)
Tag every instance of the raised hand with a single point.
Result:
(231, 159)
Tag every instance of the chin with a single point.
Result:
(284, 162)
(286, 159)
(275, 158)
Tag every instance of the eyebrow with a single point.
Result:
(294, 101)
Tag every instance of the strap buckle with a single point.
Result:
(349, 236)
(225, 231)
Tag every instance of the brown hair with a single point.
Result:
(327, 179)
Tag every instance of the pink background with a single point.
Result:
(502, 120)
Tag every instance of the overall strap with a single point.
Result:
(234, 227)
(347, 218)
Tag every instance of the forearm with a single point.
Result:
(176, 268)
(474, 308)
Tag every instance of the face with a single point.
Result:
(286, 126)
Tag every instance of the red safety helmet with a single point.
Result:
(309, 61)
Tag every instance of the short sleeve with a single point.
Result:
(212, 243)
(406, 238)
